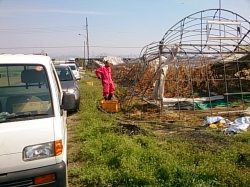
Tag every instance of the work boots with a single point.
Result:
(110, 96)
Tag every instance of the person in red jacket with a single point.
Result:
(105, 74)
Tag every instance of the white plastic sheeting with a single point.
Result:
(237, 126)
(158, 92)
(214, 119)
(114, 60)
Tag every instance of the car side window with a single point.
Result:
(57, 84)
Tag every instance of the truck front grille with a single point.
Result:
(19, 183)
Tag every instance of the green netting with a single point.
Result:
(207, 104)
(185, 105)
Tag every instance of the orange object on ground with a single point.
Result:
(109, 105)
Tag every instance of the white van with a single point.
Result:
(33, 130)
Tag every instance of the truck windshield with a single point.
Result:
(24, 91)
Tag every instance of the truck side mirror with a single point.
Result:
(67, 101)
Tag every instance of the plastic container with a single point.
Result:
(90, 83)
(110, 106)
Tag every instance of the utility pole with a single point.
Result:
(87, 38)
(84, 58)
(84, 53)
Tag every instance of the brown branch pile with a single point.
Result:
(183, 79)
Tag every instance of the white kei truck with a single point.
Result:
(33, 129)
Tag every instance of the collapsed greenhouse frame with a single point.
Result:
(201, 63)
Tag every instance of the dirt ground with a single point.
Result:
(72, 120)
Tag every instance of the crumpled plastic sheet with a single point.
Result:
(239, 125)
(214, 119)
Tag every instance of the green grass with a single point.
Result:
(101, 154)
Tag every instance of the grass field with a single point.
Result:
(105, 151)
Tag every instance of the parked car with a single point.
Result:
(33, 133)
(74, 69)
(69, 85)
(73, 62)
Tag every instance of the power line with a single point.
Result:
(63, 29)
(57, 47)
(41, 30)
(38, 47)
(115, 47)
(37, 28)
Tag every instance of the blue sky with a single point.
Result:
(116, 27)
